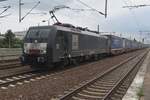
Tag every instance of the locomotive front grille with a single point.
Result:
(34, 51)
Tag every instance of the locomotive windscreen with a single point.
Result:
(37, 33)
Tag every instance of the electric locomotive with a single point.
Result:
(63, 43)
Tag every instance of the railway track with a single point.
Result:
(110, 85)
(21, 77)
(9, 57)
(9, 64)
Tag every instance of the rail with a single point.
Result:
(81, 91)
(9, 57)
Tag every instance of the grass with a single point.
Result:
(141, 92)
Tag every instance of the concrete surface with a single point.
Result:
(137, 84)
(10, 52)
(146, 85)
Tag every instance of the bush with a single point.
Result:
(10, 41)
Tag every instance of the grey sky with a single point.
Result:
(119, 19)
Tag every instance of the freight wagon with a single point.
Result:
(127, 45)
(115, 44)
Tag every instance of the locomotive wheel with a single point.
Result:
(49, 66)
(65, 62)
(75, 61)
(95, 57)
(41, 67)
(81, 59)
(34, 67)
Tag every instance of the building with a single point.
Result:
(20, 34)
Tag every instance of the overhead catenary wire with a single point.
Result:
(28, 3)
(59, 7)
(2, 0)
(91, 7)
(133, 5)
(6, 8)
(5, 16)
(136, 6)
(43, 13)
(138, 25)
(133, 14)
(67, 7)
(20, 4)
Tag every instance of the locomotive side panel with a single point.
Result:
(73, 44)
(90, 45)
(61, 46)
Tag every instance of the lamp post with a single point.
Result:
(9, 42)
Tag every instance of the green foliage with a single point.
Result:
(10, 41)
(2, 45)
(17, 43)
(140, 93)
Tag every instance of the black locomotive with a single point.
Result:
(64, 43)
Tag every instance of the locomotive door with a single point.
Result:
(62, 44)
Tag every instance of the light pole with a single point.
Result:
(0, 30)
(9, 42)
(20, 4)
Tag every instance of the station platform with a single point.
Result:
(140, 87)
(146, 84)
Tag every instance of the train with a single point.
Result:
(47, 46)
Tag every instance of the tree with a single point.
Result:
(9, 38)
(10, 41)
(17, 43)
(2, 45)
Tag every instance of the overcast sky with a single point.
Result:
(119, 19)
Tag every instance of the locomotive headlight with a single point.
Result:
(43, 48)
(26, 47)
(43, 51)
